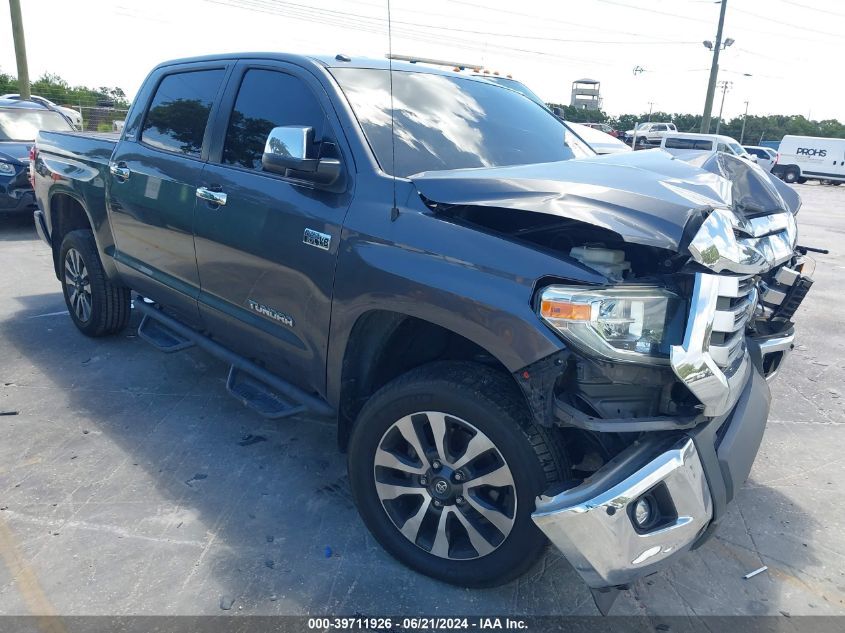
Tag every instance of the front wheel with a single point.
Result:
(97, 306)
(445, 465)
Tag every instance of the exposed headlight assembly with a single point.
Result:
(620, 323)
(7, 169)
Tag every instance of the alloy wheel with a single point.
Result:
(445, 485)
(78, 285)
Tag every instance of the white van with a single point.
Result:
(808, 157)
(680, 143)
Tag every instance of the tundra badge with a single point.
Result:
(281, 317)
(317, 239)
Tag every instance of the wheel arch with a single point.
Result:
(385, 344)
(68, 211)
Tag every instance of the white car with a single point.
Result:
(649, 133)
(766, 156)
(601, 142)
(74, 115)
(801, 158)
(681, 143)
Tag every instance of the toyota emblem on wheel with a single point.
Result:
(441, 487)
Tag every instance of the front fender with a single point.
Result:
(475, 284)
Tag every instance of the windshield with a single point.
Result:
(737, 149)
(443, 122)
(19, 124)
(520, 87)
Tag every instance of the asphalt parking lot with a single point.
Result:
(131, 483)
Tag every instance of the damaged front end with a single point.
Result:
(661, 389)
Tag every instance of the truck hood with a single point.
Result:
(647, 197)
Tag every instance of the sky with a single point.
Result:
(791, 48)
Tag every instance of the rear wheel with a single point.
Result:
(791, 175)
(445, 466)
(97, 306)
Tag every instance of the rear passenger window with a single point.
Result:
(678, 143)
(179, 111)
(269, 99)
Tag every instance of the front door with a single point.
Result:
(152, 189)
(266, 256)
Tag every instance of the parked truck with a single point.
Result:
(517, 339)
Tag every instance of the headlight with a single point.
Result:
(7, 169)
(621, 323)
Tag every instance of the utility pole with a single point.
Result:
(726, 85)
(744, 118)
(650, 108)
(714, 72)
(20, 49)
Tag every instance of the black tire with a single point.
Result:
(791, 175)
(491, 402)
(642, 141)
(108, 303)
(801, 181)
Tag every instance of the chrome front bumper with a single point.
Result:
(595, 529)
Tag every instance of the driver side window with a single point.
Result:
(268, 99)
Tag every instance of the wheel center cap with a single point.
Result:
(441, 488)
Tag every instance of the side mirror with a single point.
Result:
(286, 150)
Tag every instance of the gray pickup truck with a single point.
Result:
(518, 339)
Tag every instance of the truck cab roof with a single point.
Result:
(323, 61)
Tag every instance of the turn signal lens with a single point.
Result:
(565, 310)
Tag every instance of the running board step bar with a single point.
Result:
(254, 386)
(260, 397)
(161, 337)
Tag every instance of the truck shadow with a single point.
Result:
(166, 496)
(17, 227)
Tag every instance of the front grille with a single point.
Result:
(737, 298)
(713, 361)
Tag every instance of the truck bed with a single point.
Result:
(94, 147)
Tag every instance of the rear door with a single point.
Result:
(266, 289)
(154, 174)
(656, 133)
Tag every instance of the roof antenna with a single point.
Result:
(394, 210)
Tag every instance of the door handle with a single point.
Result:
(214, 197)
(119, 171)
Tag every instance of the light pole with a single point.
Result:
(20, 49)
(744, 118)
(714, 68)
(638, 70)
(725, 85)
(650, 108)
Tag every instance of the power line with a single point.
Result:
(811, 8)
(550, 20)
(299, 7)
(794, 26)
(666, 13)
(744, 28)
(372, 24)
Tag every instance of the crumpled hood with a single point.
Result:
(647, 197)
